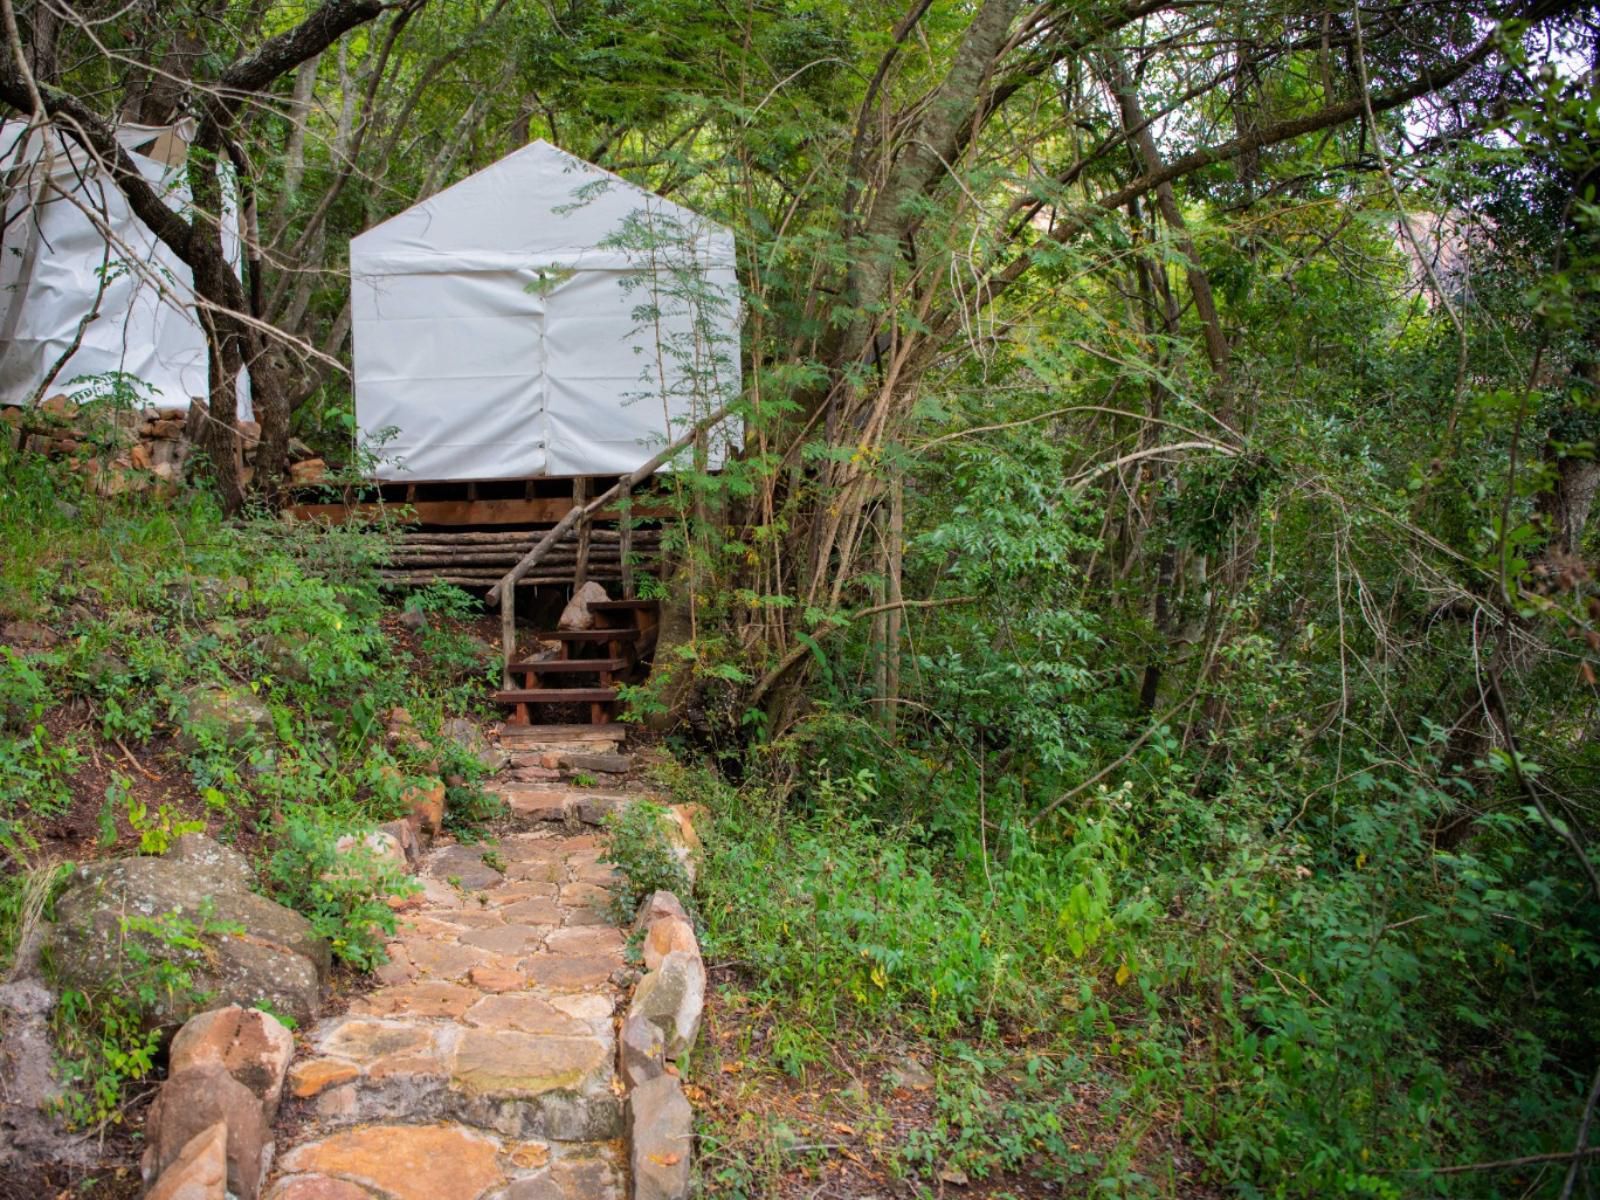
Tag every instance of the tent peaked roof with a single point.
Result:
(536, 207)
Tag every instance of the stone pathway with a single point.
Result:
(484, 1067)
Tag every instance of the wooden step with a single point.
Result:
(570, 666)
(590, 695)
(590, 635)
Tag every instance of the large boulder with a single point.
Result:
(425, 805)
(285, 655)
(467, 734)
(273, 956)
(665, 936)
(229, 712)
(29, 635)
(661, 1138)
(641, 1052)
(31, 1133)
(655, 906)
(200, 1171)
(576, 614)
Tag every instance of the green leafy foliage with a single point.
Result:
(108, 1037)
(342, 891)
(643, 853)
(34, 764)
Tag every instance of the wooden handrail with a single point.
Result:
(504, 593)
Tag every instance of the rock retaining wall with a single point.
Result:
(210, 1128)
(132, 450)
(657, 1035)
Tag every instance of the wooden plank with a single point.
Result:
(516, 539)
(541, 510)
(589, 635)
(554, 695)
(423, 578)
(568, 666)
(469, 556)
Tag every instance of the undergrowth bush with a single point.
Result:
(343, 892)
(1313, 1012)
(34, 764)
(638, 845)
(108, 1037)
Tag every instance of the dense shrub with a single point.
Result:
(341, 891)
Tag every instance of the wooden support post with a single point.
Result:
(580, 500)
(624, 506)
(508, 637)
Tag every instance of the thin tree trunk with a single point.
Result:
(1137, 129)
(893, 617)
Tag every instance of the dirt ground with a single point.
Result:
(836, 1133)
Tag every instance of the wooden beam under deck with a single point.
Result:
(543, 510)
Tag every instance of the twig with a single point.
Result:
(134, 762)
(1279, 977)
(1159, 723)
(787, 662)
(1500, 1164)
(1084, 478)
(1056, 412)
(1581, 1147)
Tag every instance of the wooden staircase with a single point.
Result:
(591, 664)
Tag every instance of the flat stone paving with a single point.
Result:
(484, 1065)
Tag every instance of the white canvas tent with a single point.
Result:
(57, 248)
(541, 317)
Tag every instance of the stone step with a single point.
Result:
(445, 1161)
(486, 1064)
(534, 803)
(580, 759)
(534, 756)
(491, 1075)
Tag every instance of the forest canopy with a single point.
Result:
(1161, 573)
